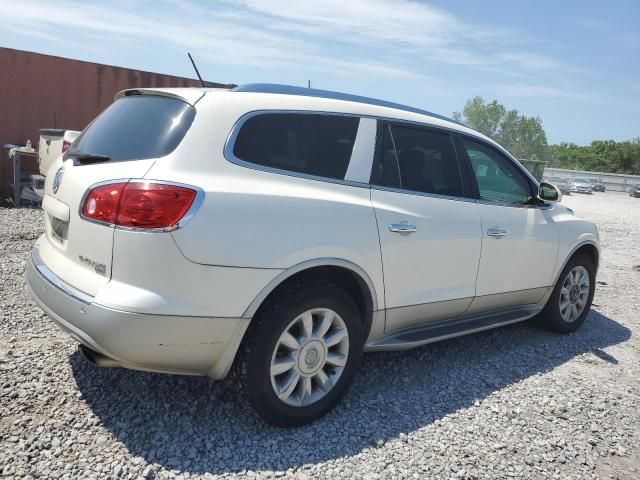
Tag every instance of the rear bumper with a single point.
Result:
(159, 343)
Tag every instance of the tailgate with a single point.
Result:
(121, 144)
(75, 249)
(49, 148)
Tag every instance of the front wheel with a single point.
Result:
(301, 354)
(570, 302)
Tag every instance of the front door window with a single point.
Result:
(498, 179)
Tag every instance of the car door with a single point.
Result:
(428, 225)
(519, 236)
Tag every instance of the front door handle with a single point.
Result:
(402, 227)
(497, 232)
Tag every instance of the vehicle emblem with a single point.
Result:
(100, 268)
(57, 179)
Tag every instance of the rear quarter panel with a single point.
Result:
(258, 219)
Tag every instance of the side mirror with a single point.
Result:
(549, 193)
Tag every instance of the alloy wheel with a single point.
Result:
(309, 357)
(574, 294)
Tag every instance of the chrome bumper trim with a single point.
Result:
(151, 342)
(56, 281)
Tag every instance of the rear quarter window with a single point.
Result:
(312, 144)
(137, 127)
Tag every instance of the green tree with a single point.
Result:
(485, 118)
(600, 156)
(523, 136)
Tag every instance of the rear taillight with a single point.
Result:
(65, 146)
(101, 203)
(144, 205)
(153, 205)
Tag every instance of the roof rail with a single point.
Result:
(313, 92)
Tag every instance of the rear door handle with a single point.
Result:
(402, 227)
(497, 232)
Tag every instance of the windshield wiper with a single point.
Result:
(83, 158)
(90, 158)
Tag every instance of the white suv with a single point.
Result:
(283, 230)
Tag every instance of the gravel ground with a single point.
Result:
(514, 402)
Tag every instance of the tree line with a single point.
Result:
(525, 138)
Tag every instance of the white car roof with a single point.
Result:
(300, 98)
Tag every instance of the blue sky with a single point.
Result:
(576, 64)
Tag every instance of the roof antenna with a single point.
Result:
(196, 69)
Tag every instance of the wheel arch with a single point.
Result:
(589, 248)
(343, 272)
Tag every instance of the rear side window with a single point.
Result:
(137, 127)
(419, 160)
(313, 144)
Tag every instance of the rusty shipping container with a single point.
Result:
(43, 91)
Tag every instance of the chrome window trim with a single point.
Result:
(56, 281)
(233, 134)
(497, 203)
(364, 149)
(423, 194)
(193, 209)
(274, 88)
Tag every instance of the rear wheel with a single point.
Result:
(301, 354)
(570, 302)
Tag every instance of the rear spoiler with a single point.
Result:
(187, 95)
(52, 131)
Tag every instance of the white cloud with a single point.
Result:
(401, 25)
(221, 36)
(538, 91)
(394, 21)
(391, 38)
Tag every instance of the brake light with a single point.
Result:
(101, 203)
(153, 205)
(65, 146)
(143, 205)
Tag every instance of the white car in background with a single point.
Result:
(581, 185)
(283, 231)
(53, 143)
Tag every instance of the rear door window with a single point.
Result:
(312, 144)
(135, 128)
(418, 159)
(385, 171)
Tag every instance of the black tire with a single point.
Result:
(254, 361)
(550, 316)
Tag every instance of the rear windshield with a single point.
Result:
(135, 128)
